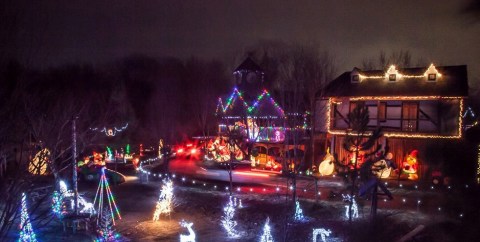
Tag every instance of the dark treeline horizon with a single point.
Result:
(157, 97)
(164, 97)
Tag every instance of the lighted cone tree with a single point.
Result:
(104, 190)
(267, 234)
(26, 230)
(298, 212)
(165, 200)
(105, 231)
(227, 220)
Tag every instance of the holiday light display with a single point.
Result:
(298, 212)
(351, 199)
(478, 165)
(104, 188)
(327, 166)
(165, 200)
(237, 94)
(322, 232)
(396, 134)
(59, 199)
(105, 230)
(187, 237)
(38, 165)
(111, 131)
(237, 203)
(26, 230)
(267, 234)
(392, 70)
(227, 220)
(410, 166)
(57, 204)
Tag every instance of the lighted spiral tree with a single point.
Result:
(102, 191)
(26, 230)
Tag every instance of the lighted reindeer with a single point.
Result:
(322, 232)
(348, 198)
(190, 237)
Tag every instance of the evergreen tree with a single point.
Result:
(105, 231)
(355, 141)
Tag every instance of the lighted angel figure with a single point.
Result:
(410, 166)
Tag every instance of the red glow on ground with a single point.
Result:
(250, 174)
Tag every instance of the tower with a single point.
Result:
(249, 78)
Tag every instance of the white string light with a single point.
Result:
(267, 235)
(187, 237)
(110, 131)
(398, 134)
(322, 232)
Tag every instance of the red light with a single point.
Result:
(180, 150)
(193, 151)
(189, 145)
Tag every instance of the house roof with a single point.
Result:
(453, 82)
(248, 65)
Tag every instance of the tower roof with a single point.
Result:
(248, 65)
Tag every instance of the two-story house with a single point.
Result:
(417, 108)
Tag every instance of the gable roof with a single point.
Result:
(248, 65)
(452, 83)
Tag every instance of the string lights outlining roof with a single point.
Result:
(111, 131)
(237, 94)
(397, 134)
(392, 70)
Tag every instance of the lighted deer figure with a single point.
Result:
(191, 236)
(348, 198)
(322, 232)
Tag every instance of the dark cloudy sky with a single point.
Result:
(55, 32)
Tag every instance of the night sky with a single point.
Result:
(57, 32)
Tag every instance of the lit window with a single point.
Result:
(392, 77)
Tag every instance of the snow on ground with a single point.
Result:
(204, 207)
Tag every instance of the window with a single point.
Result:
(382, 112)
(353, 105)
(355, 78)
(392, 77)
(432, 77)
(409, 116)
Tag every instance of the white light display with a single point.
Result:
(298, 212)
(110, 131)
(351, 199)
(26, 230)
(165, 201)
(267, 235)
(397, 134)
(227, 220)
(187, 237)
(322, 232)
